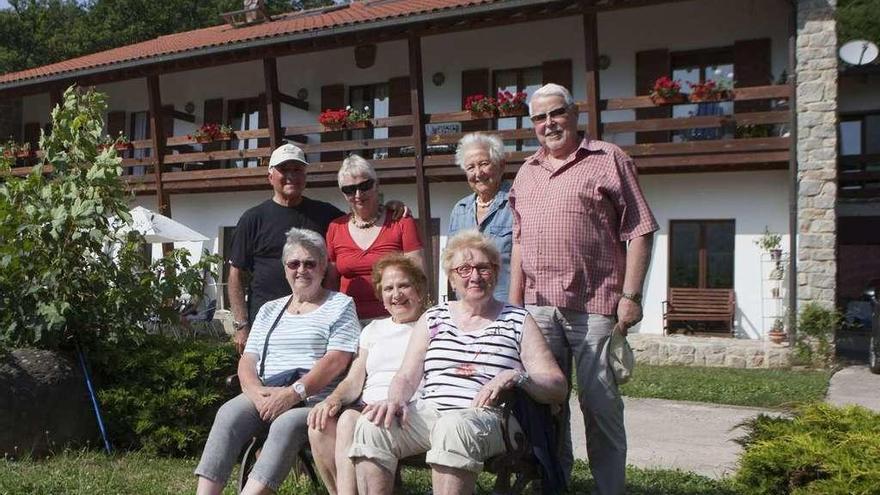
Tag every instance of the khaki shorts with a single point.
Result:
(460, 439)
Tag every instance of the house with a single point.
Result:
(716, 174)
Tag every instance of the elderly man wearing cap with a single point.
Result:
(260, 235)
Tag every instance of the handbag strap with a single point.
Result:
(269, 334)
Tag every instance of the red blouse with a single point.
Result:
(355, 265)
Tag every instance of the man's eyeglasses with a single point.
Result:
(362, 187)
(552, 114)
(465, 270)
(305, 264)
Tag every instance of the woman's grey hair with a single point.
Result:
(356, 165)
(489, 142)
(469, 239)
(551, 89)
(309, 240)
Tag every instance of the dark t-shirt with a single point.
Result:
(259, 239)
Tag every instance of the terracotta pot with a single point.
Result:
(672, 100)
(719, 96)
(363, 124)
(483, 115)
(776, 336)
(122, 146)
(517, 112)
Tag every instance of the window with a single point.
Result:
(701, 253)
(700, 66)
(860, 134)
(140, 130)
(374, 96)
(245, 115)
(527, 80)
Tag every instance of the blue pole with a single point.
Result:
(93, 397)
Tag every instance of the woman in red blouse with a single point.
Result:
(356, 241)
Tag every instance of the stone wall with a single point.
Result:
(708, 351)
(816, 76)
(10, 120)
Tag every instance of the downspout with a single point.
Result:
(793, 176)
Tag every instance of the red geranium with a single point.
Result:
(511, 102)
(480, 103)
(665, 87)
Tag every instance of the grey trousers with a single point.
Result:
(236, 423)
(582, 336)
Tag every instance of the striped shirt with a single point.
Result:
(299, 341)
(458, 363)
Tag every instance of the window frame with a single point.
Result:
(520, 86)
(702, 253)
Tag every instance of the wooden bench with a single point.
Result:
(688, 304)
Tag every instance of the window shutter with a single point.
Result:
(557, 71)
(751, 67)
(399, 103)
(213, 113)
(650, 65)
(474, 81)
(32, 134)
(332, 97)
(168, 120)
(262, 118)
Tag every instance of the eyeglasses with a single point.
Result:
(552, 114)
(465, 270)
(305, 264)
(362, 187)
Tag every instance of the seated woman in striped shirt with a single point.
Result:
(296, 352)
(467, 352)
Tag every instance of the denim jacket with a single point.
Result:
(498, 225)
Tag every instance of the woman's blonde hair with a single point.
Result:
(410, 268)
(469, 239)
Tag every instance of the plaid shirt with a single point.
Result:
(572, 224)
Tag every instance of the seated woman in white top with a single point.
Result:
(403, 289)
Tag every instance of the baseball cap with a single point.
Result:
(286, 153)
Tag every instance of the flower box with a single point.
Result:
(485, 114)
(23, 154)
(511, 104)
(481, 106)
(711, 97)
(122, 146)
(514, 112)
(666, 92)
(345, 118)
(668, 100)
(226, 136)
(203, 139)
(710, 91)
(363, 124)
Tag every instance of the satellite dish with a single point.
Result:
(858, 52)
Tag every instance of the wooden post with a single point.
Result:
(273, 113)
(421, 149)
(158, 154)
(591, 45)
(793, 192)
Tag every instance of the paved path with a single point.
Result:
(855, 385)
(668, 434)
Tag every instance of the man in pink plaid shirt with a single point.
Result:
(582, 243)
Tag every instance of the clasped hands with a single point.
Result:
(272, 402)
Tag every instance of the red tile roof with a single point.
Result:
(358, 12)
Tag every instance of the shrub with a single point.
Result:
(161, 395)
(821, 450)
(816, 327)
(68, 272)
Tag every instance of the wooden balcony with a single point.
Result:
(188, 169)
(858, 177)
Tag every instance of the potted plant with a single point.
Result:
(777, 332)
(357, 119)
(666, 92)
(333, 120)
(511, 104)
(122, 143)
(481, 106)
(225, 133)
(9, 149)
(23, 150)
(710, 91)
(770, 242)
(206, 133)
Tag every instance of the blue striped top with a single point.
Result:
(299, 341)
(458, 364)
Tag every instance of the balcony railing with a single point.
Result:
(187, 168)
(858, 176)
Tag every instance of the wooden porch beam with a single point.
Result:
(273, 112)
(293, 101)
(157, 131)
(591, 65)
(186, 117)
(417, 102)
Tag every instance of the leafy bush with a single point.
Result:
(161, 395)
(67, 270)
(821, 450)
(816, 327)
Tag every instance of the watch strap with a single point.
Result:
(635, 297)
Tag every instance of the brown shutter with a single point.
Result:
(474, 81)
(168, 120)
(332, 98)
(399, 103)
(213, 114)
(262, 119)
(557, 71)
(32, 134)
(650, 65)
(751, 67)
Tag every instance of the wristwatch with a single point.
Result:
(522, 378)
(635, 297)
(238, 325)
(300, 389)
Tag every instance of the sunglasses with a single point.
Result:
(465, 270)
(362, 187)
(305, 264)
(552, 114)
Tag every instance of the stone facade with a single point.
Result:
(816, 76)
(10, 119)
(718, 352)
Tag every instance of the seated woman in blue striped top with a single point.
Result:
(296, 352)
(467, 352)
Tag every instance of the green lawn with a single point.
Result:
(93, 473)
(742, 387)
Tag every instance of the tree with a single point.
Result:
(858, 19)
(67, 271)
